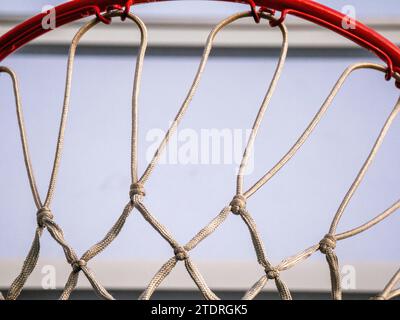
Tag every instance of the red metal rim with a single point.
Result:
(306, 9)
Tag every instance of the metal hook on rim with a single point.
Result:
(397, 83)
(281, 19)
(127, 9)
(101, 17)
(254, 11)
(396, 75)
(257, 13)
(389, 71)
(391, 74)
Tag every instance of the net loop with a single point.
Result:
(43, 216)
(238, 204)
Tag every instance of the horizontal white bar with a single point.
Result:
(183, 33)
(226, 275)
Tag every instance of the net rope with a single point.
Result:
(237, 207)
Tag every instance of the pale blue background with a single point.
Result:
(293, 211)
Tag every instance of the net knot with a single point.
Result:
(238, 204)
(181, 254)
(42, 215)
(327, 243)
(272, 273)
(137, 189)
(77, 265)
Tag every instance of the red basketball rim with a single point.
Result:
(309, 10)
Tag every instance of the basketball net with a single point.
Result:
(236, 209)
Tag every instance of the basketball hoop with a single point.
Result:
(274, 11)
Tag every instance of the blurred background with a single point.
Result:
(293, 211)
